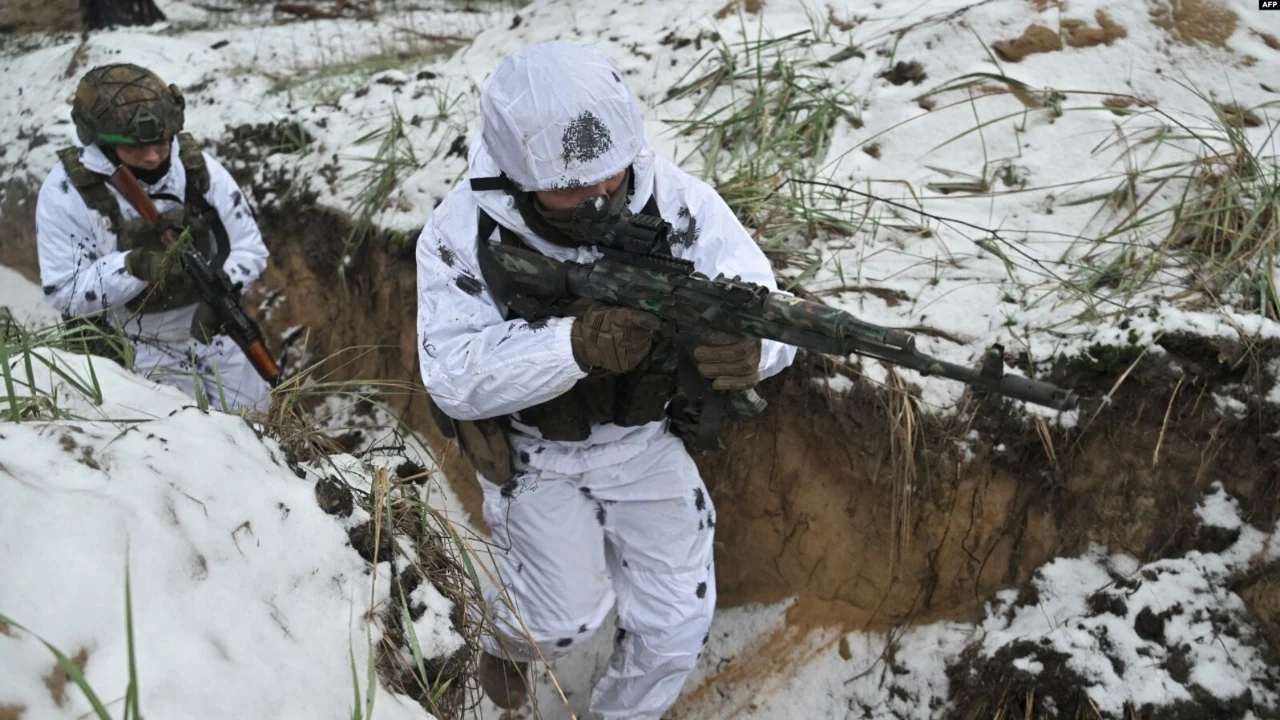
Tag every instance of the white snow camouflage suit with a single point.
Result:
(83, 272)
(622, 516)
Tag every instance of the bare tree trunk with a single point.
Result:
(104, 13)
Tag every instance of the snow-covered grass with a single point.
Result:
(37, 382)
(235, 571)
(893, 162)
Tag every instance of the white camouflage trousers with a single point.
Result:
(220, 370)
(567, 547)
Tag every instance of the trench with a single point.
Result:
(831, 497)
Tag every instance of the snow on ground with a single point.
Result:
(25, 300)
(1167, 632)
(1146, 635)
(209, 517)
(340, 80)
(248, 600)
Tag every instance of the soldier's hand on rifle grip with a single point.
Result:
(732, 362)
(615, 339)
(204, 324)
(155, 267)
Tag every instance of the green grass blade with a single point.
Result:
(70, 668)
(412, 633)
(371, 683)
(356, 710)
(131, 706)
(15, 413)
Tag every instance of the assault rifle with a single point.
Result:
(212, 284)
(637, 270)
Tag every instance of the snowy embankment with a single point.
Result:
(1045, 166)
(1100, 633)
(1037, 137)
(248, 600)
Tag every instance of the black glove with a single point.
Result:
(205, 324)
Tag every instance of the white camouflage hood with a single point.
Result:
(558, 115)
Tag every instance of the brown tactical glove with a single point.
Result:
(156, 267)
(732, 362)
(613, 338)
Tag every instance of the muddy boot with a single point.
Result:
(503, 681)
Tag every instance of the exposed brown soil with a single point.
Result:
(1195, 21)
(12, 712)
(18, 232)
(731, 7)
(1042, 5)
(1239, 116)
(845, 25)
(1262, 595)
(1076, 33)
(23, 16)
(1118, 105)
(1035, 39)
(817, 505)
(57, 679)
(376, 311)
(812, 495)
(1080, 34)
(1271, 40)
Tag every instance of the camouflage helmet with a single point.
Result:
(125, 104)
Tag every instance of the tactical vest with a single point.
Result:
(628, 399)
(201, 218)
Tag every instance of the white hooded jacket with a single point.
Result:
(478, 363)
(82, 270)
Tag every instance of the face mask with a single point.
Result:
(150, 177)
(562, 220)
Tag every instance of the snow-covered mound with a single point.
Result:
(1161, 637)
(1039, 149)
(248, 599)
(1098, 635)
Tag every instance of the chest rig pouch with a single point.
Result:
(199, 217)
(629, 399)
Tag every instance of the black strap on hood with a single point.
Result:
(525, 205)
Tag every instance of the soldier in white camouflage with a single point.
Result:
(593, 501)
(99, 258)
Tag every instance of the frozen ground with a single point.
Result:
(247, 599)
(1043, 152)
(1131, 636)
(339, 81)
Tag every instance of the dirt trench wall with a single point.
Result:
(805, 494)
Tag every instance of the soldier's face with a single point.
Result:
(143, 157)
(567, 199)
